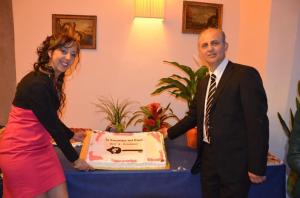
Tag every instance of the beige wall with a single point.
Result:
(128, 60)
(254, 33)
(283, 67)
(7, 59)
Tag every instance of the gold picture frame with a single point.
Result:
(198, 15)
(86, 25)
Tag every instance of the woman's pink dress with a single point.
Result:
(28, 160)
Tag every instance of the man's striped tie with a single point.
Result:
(211, 94)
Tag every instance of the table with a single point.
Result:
(177, 182)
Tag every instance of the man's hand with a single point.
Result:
(164, 131)
(256, 179)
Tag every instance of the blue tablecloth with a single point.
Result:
(177, 182)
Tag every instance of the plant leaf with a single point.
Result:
(284, 126)
(292, 119)
(183, 68)
(116, 112)
(298, 87)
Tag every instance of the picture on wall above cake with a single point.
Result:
(198, 15)
(84, 25)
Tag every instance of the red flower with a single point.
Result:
(149, 122)
(154, 116)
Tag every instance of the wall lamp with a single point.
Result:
(149, 8)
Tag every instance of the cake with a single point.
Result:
(124, 151)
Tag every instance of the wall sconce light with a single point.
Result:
(149, 8)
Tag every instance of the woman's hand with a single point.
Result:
(82, 165)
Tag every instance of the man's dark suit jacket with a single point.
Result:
(239, 126)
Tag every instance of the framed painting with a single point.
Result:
(197, 16)
(85, 25)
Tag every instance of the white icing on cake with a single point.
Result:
(142, 150)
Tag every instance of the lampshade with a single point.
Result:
(149, 8)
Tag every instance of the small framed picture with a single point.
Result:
(85, 25)
(197, 16)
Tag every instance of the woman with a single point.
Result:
(27, 158)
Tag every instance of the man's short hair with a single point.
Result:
(218, 29)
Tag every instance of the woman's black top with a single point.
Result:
(36, 92)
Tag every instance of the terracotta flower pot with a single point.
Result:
(191, 138)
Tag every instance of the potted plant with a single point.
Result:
(154, 116)
(116, 112)
(183, 87)
(292, 177)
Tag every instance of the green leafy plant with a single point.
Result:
(183, 87)
(154, 116)
(292, 177)
(285, 127)
(117, 112)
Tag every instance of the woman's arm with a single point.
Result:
(42, 104)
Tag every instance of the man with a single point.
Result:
(229, 110)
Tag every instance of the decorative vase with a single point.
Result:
(192, 138)
(115, 128)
